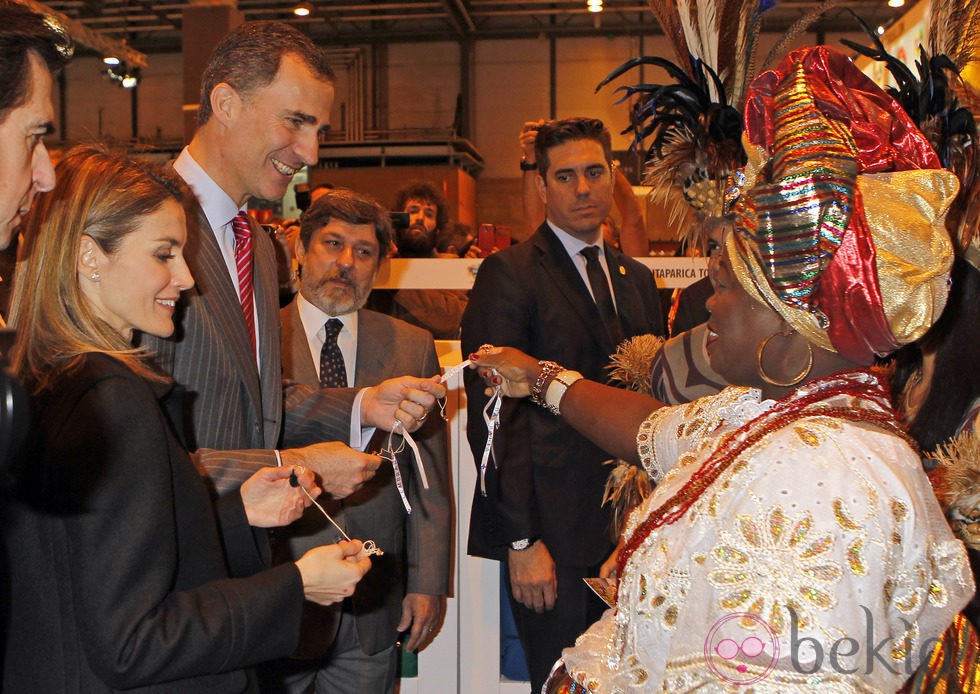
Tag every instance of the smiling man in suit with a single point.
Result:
(329, 339)
(566, 296)
(266, 96)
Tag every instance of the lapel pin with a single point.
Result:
(622, 271)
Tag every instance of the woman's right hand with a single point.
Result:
(608, 568)
(511, 369)
(331, 572)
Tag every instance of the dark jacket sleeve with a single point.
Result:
(500, 313)
(247, 549)
(142, 614)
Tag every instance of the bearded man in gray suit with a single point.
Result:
(266, 96)
(329, 339)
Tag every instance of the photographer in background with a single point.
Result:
(437, 310)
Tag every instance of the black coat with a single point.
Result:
(119, 571)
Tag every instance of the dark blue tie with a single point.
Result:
(333, 371)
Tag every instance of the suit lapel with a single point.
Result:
(629, 303)
(266, 280)
(565, 278)
(216, 291)
(370, 367)
(297, 361)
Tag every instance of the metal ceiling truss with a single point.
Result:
(155, 27)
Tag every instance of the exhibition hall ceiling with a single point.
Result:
(154, 27)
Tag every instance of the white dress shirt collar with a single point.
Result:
(218, 206)
(574, 247)
(313, 320)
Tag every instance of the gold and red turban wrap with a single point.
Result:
(840, 209)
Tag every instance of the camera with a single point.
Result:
(303, 196)
(399, 220)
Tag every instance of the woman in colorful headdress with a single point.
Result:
(792, 541)
(693, 125)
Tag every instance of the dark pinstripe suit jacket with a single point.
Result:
(236, 413)
(417, 546)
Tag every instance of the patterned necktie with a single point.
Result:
(243, 260)
(600, 290)
(333, 370)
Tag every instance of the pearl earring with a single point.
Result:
(95, 277)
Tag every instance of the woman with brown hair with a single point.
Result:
(124, 574)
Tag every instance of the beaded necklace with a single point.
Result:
(860, 385)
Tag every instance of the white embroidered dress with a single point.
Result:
(830, 517)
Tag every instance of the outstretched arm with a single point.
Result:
(586, 405)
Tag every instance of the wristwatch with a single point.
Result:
(523, 544)
(528, 165)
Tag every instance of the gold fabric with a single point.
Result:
(905, 211)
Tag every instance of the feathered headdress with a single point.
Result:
(696, 122)
(943, 106)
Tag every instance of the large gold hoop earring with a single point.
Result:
(773, 382)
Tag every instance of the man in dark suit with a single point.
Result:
(564, 295)
(266, 96)
(329, 339)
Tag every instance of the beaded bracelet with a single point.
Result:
(548, 370)
(556, 389)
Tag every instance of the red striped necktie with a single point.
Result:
(243, 261)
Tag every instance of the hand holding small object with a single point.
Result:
(270, 496)
(330, 573)
(513, 371)
(341, 469)
(406, 399)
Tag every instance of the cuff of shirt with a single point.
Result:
(359, 436)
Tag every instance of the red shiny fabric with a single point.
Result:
(850, 296)
(886, 140)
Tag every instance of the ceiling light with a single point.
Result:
(595, 5)
(304, 9)
(896, 3)
(110, 60)
(880, 30)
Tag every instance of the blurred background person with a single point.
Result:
(457, 241)
(286, 234)
(437, 310)
(116, 544)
